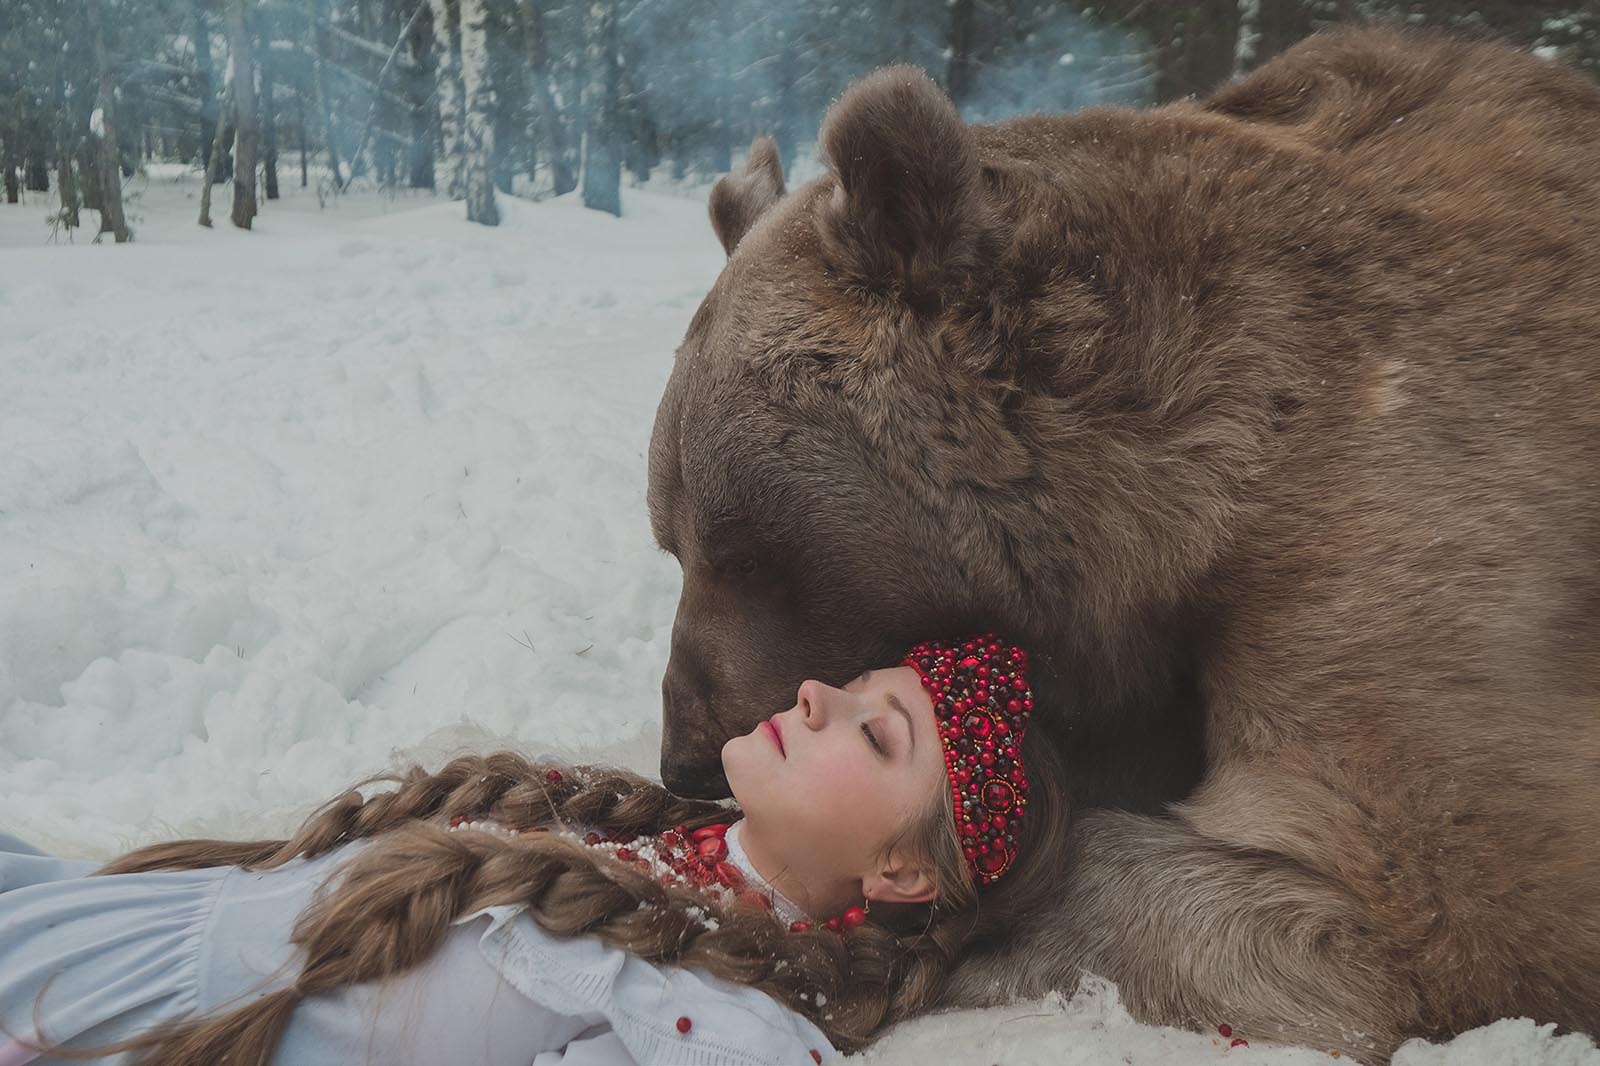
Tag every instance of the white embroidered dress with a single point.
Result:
(93, 960)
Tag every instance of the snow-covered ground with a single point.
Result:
(280, 509)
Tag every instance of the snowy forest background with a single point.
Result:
(479, 98)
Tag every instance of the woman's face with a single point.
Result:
(827, 785)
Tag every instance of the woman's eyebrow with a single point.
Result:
(894, 701)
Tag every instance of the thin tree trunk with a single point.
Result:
(211, 92)
(244, 109)
(722, 83)
(319, 48)
(300, 129)
(556, 147)
(66, 180)
(478, 133)
(213, 161)
(37, 168)
(958, 76)
(269, 121)
(602, 156)
(10, 169)
(452, 115)
(105, 133)
(419, 95)
(68, 188)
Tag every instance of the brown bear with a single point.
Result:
(1271, 422)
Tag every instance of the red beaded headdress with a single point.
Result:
(981, 703)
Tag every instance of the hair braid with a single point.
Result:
(392, 905)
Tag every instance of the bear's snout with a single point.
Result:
(691, 742)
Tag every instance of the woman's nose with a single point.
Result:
(813, 699)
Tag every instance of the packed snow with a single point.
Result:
(283, 508)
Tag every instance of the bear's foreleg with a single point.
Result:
(1197, 933)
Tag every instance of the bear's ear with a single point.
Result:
(738, 199)
(908, 210)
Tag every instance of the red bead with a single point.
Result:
(591, 838)
(816, 1056)
(729, 874)
(1225, 1029)
(853, 917)
(681, 830)
(1014, 706)
(1238, 1041)
(553, 776)
(684, 1024)
(832, 924)
(987, 758)
(625, 854)
(712, 848)
(706, 832)
(799, 927)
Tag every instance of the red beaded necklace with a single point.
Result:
(699, 857)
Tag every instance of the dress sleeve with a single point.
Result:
(454, 1008)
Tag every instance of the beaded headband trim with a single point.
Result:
(981, 702)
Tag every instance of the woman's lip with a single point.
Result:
(776, 734)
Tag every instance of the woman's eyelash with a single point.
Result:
(867, 729)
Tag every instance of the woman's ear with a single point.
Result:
(900, 882)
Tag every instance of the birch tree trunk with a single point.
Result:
(103, 131)
(213, 164)
(602, 155)
(447, 72)
(1249, 36)
(244, 107)
(477, 149)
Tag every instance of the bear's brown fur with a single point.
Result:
(1272, 424)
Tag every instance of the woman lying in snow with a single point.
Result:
(507, 912)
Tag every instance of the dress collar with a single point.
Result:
(783, 907)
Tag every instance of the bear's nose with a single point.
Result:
(691, 751)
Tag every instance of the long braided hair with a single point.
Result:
(396, 900)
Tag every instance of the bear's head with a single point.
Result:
(819, 463)
(874, 428)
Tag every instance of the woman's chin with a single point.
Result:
(744, 760)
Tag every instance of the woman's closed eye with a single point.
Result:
(877, 745)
